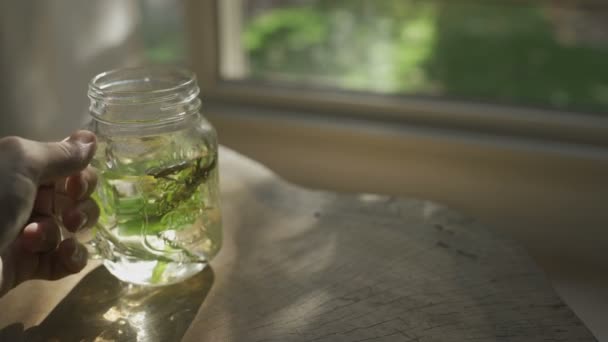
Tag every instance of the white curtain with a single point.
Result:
(49, 50)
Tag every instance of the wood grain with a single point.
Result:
(302, 265)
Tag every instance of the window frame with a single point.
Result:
(203, 26)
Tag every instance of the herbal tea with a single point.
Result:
(160, 216)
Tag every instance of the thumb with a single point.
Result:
(62, 159)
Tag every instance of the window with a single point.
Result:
(552, 54)
(502, 65)
(163, 31)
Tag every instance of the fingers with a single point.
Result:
(42, 236)
(50, 200)
(44, 204)
(42, 162)
(75, 215)
(84, 215)
(65, 158)
(70, 257)
(82, 184)
(67, 258)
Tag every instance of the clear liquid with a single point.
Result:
(160, 219)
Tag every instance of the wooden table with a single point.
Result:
(301, 265)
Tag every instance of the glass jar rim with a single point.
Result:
(103, 86)
(142, 95)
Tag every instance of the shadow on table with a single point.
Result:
(102, 308)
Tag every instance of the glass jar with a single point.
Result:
(157, 162)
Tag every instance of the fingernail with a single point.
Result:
(84, 139)
(31, 228)
(85, 148)
(34, 228)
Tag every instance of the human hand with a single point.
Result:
(39, 181)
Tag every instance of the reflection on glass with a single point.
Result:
(550, 53)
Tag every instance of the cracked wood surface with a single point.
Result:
(302, 265)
